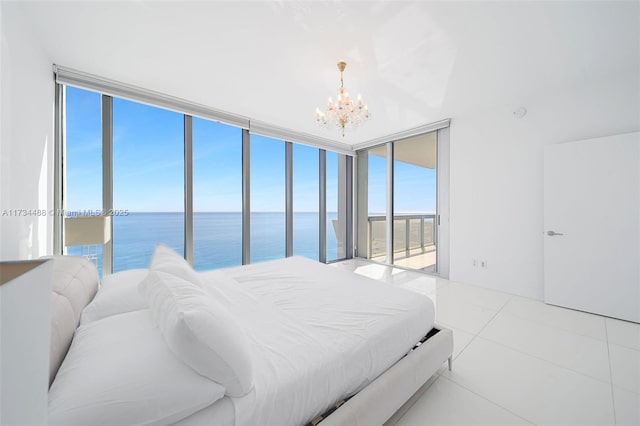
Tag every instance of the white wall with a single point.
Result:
(26, 139)
(497, 177)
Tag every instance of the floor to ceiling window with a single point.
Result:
(148, 182)
(217, 195)
(305, 201)
(267, 199)
(83, 171)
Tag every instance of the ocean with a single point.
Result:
(217, 238)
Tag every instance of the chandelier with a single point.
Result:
(344, 112)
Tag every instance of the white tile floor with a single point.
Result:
(519, 361)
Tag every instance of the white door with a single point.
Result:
(592, 225)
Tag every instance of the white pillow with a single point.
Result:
(200, 330)
(117, 294)
(166, 260)
(119, 371)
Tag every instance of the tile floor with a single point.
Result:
(520, 361)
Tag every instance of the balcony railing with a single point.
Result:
(410, 232)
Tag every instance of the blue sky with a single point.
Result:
(148, 158)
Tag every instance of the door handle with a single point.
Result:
(553, 233)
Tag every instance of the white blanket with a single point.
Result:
(318, 333)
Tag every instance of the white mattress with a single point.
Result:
(318, 334)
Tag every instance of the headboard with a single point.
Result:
(75, 282)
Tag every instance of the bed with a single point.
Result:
(324, 345)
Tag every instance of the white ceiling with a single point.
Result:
(413, 62)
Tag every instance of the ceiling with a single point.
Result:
(413, 62)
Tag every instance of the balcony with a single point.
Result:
(414, 240)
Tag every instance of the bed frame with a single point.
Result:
(76, 282)
(380, 399)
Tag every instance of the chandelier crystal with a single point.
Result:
(345, 112)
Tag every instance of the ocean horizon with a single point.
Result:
(217, 238)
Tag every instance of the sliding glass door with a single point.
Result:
(398, 182)
(372, 172)
(336, 209)
(414, 201)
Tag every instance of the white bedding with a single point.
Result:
(119, 371)
(220, 413)
(318, 334)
